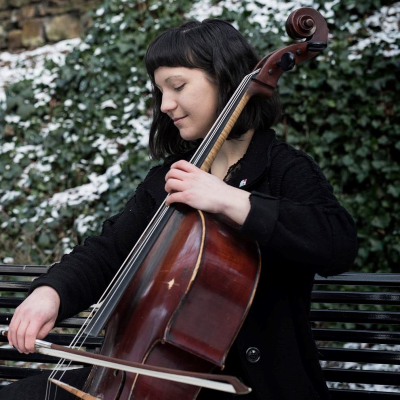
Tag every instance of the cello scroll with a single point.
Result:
(304, 23)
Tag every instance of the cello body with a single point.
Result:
(182, 310)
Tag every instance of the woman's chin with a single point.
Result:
(190, 136)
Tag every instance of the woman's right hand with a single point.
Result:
(33, 319)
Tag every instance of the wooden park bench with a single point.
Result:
(355, 319)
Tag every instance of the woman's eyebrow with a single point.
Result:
(173, 76)
(167, 79)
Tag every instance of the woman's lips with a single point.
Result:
(177, 120)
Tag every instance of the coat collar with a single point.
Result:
(255, 162)
(249, 169)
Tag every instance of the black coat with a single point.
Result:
(301, 229)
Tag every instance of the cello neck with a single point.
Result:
(212, 143)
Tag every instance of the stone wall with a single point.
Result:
(26, 24)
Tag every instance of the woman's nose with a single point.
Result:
(167, 103)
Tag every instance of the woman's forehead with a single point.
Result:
(167, 74)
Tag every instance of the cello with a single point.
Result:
(184, 264)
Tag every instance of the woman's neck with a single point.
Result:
(231, 152)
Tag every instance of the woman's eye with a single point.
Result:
(179, 88)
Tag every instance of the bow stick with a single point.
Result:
(73, 390)
(224, 383)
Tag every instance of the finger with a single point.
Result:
(176, 174)
(179, 197)
(174, 185)
(20, 337)
(184, 166)
(13, 328)
(30, 337)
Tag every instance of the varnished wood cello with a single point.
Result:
(161, 308)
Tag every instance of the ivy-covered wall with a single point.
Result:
(73, 147)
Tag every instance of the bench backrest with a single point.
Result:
(355, 319)
(354, 316)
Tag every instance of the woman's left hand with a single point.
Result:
(200, 190)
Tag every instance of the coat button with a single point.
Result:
(252, 354)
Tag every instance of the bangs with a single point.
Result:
(178, 47)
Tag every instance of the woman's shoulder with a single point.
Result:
(290, 166)
(284, 156)
(285, 151)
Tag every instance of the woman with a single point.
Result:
(277, 195)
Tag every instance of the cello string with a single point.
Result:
(136, 250)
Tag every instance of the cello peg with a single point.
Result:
(287, 61)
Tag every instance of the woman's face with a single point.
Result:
(189, 98)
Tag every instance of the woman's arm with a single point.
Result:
(82, 275)
(200, 190)
(80, 278)
(302, 220)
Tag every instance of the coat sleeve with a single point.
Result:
(81, 276)
(302, 220)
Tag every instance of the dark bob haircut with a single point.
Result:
(216, 47)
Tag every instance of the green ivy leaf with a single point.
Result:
(381, 221)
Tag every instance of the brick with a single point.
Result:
(28, 12)
(33, 32)
(14, 39)
(62, 27)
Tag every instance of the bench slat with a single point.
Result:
(356, 336)
(342, 394)
(362, 376)
(23, 270)
(74, 322)
(360, 278)
(10, 302)
(359, 356)
(319, 296)
(357, 317)
(14, 286)
(64, 339)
